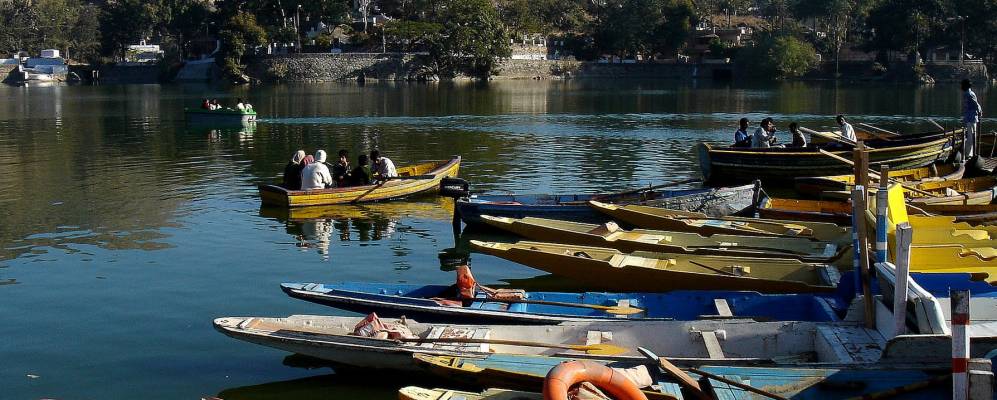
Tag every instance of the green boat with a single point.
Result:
(224, 115)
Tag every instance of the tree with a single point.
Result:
(645, 27)
(908, 25)
(472, 39)
(126, 22)
(238, 34)
(778, 55)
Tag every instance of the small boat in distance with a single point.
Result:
(412, 179)
(220, 116)
(716, 202)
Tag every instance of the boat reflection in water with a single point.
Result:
(317, 227)
(320, 387)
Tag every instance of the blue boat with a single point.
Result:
(425, 303)
(526, 372)
(715, 202)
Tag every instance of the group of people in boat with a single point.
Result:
(213, 104)
(764, 135)
(307, 172)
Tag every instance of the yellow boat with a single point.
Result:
(814, 186)
(682, 221)
(418, 393)
(411, 180)
(612, 270)
(955, 192)
(835, 212)
(611, 236)
(940, 244)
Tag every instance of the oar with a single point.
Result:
(878, 129)
(876, 174)
(619, 310)
(671, 370)
(717, 270)
(940, 128)
(410, 177)
(602, 349)
(649, 188)
(831, 136)
(737, 384)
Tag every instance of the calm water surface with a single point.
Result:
(124, 232)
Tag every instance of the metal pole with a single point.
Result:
(882, 201)
(905, 235)
(960, 344)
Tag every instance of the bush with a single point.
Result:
(778, 56)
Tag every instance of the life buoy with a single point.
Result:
(569, 373)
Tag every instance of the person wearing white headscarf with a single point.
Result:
(316, 175)
(292, 171)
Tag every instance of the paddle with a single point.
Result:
(717, 270)
(602, 349)
(737, 384)
(671, 370)
(936, 125)
(876, 174)
(831, 136)
(878, 129)
(410, 177)
(618, 310)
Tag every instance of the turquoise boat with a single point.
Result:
(527, 372)
(222, 116)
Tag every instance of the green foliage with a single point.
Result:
(907, 25)
(239, 33)
(45, 24)
(471, 41)
(647, 27)
(778, 56)
(412, 34)
(127, 22)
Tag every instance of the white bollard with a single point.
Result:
(960, 344)
(905, 235)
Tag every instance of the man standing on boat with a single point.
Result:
(846, 129)
(971, 113)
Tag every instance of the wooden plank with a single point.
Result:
(723, 309)
(712, 345)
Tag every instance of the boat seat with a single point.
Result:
(598, 337)
(713, 348)
(723, 309)
(622, 260)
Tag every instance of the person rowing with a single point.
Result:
(384, 168)
(798, 139)
(847, 131)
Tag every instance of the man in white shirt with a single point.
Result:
(971, 113)
(764, 136)
(846, 129)
(383, 167)
(240, 105)
(316, 175)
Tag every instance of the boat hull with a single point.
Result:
(574, 207)
(273, 195)
(781, 166)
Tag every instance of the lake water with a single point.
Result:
(124, 232)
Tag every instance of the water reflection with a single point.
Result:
(318, 227)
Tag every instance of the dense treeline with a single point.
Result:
(468, 35)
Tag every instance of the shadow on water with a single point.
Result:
(318, 227)
(344, 384)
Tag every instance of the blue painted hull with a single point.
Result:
(415, 301)
(574, 207)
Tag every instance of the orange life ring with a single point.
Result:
(569, 373)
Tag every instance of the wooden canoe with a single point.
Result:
(423, 302)
(782, 165)
(610, 235)
(835, 212)
(411, 180)
(672, 220)
(609, 269)
(743, 341)
(710, 201)
(814, 186)
(527, 373)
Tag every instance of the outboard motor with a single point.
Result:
(455, 188)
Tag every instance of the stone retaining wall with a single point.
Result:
(396, 66)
